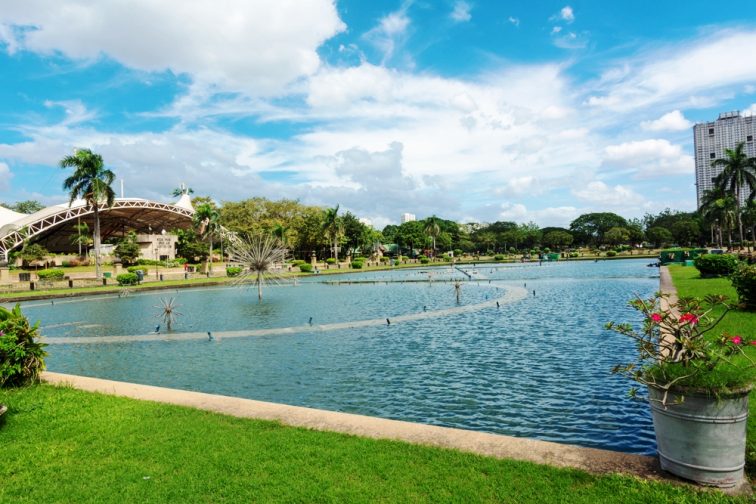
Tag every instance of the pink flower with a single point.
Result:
(688, 318)
(737, 340)
(753, 342)
(656, 318)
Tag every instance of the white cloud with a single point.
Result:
(750, 110)
(513, 20)
(255, 47)
(671, 121)
(389, 34)
(653, 157)
(569, 40)
(461, 12)
(696, 73)
(567, 14)
(518, 186)
(5, 176)
(599, 193)
(556, 30)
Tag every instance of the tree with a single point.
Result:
(207, 226)
(718, 208)
(189, 246)
(432, 229)
(617, 236)
(180, 191)
(738, 173)
(282, 233)
(33, 252)
(659, 236)
(25, 207)
(686, 232)
(333, 228)
(590, 228)
(557, 239)
(81, 238)
(128, 249)
(91, 181)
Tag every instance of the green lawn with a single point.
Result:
(64, 445)
(689, 283)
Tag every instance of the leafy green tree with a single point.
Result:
(738, 174)
(333, 228)
(128, 249)
(25, 207)
(282, 233)
(718, 208)
(189, 245)
(410, 236)
(659, 236)
(557, 239)
(590, 228)
(81, 238)
(530, 234)
(389, 233)
(92, 182)
(617, 236)
(207, 226)
(686, 232)
(33, 252)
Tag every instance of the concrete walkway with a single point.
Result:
(492, 445)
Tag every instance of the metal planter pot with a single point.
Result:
(704, 438)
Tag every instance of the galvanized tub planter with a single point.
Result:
(703, 438)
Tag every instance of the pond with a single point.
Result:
(535, 366)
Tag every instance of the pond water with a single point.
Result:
(537, 366)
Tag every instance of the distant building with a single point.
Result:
(408, 217)
(710, 141)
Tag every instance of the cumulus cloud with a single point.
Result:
(461, 12)
(601, 194)
(671, 121)
(567, 14)
(255, 47)
(5, 176)
(513, 20)
(652, 157)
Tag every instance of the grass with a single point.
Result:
(64, 445)
(688, 283)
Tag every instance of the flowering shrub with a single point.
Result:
(22, 357)
(676, 351)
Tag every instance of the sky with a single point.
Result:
(469, 110)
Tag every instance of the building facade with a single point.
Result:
(408, 217)
(710, 141)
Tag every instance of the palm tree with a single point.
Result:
(432, 229)
(333, 228)
(719, 208)
(180, 191)
(81, 238)
(91, 181)
(282, 233)
(206, 223)
(259, 256)
(738, 173)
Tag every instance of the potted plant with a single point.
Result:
(698, 384)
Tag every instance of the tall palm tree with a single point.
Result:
(206, 223)
(91, 181)
(333, 228)
(81, 238)
(433, 229)
(738, 174)
(180, 191)
(719, 208)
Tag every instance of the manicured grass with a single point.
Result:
(689, 283)
(64, 445)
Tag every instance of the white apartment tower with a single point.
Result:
(710, 141)
(408, 217)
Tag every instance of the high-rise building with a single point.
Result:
(710, 141)
(408, 217)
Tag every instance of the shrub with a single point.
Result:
(51, 274)
(574, 254)
(458, 253)
(743, 279)
(305, 267)
(384, 259)
(297, 262)
(127, 279)
(499, 257)
(133, 269)
(715, 265)
(611, 253)
(22, 358)
(357, 264)
(331, 260)
(424, 260)
(233, 271)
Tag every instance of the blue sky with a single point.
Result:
(471, 110)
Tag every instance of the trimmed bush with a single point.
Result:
(715, 265)
(133, 269)
(22, 357)
(233, 271)
(357, 264)
(51, 274)
(743, 279)
(297, 262)
(574, 254)
(424, 260)
(331, 260)
(499, 257)
(305, 268)
(384, 259)
(611, 253)
(127, 279)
